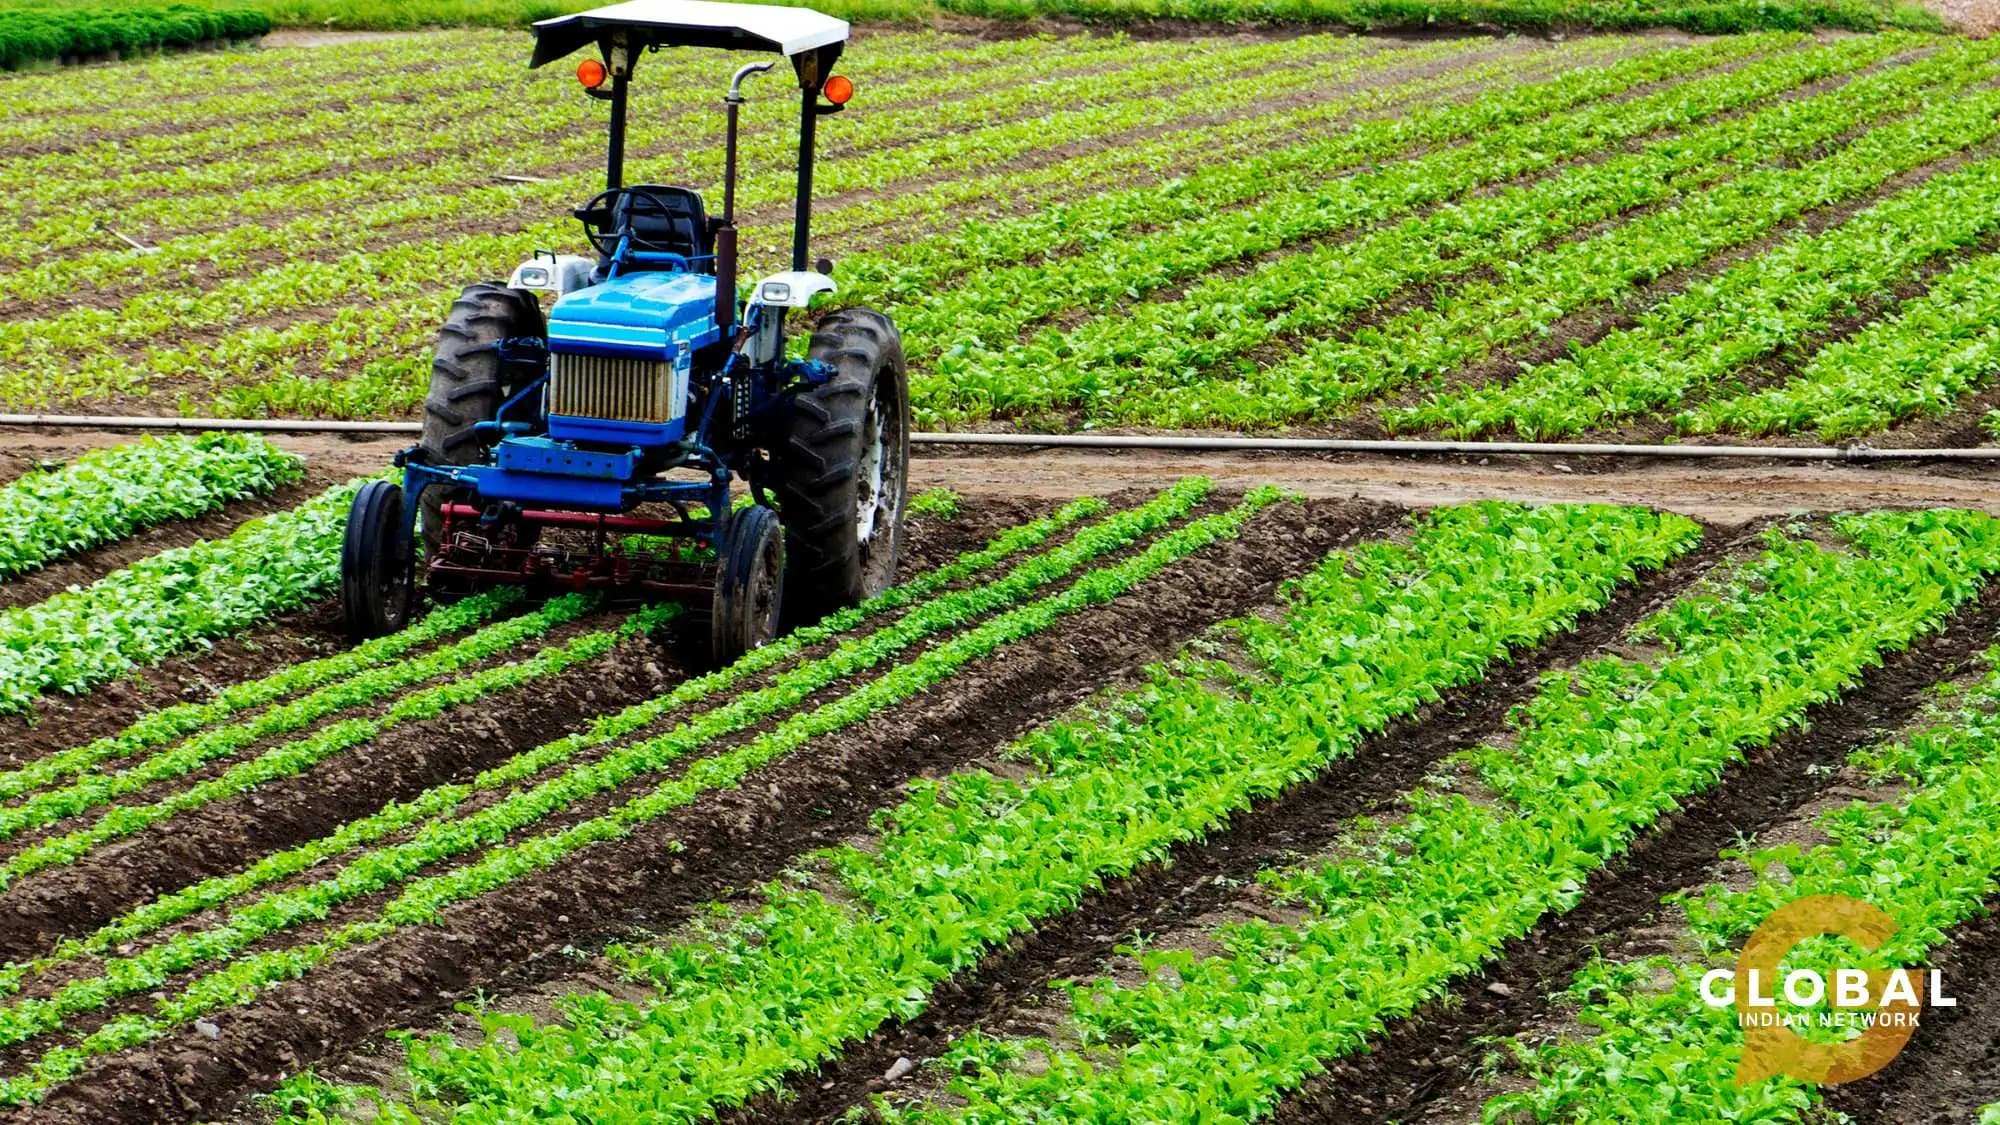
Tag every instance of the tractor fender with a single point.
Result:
(793, 289)
(552, 273)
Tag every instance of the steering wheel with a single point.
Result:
(600, 215)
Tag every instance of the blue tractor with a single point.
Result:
(595, 443)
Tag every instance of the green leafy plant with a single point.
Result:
(937, 503)
(108, 494)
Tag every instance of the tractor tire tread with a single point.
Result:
(467, 383)
(816, 461)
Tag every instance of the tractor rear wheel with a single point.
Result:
(469, 383)
(750, 587)
(841, 468)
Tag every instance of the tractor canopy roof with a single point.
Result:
(690, 23)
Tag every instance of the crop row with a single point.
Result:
(1147, 372)
(1199, 226)
(1691, 342)
(391, 152)
(73, 356)
(436, 188)
(359, 109)
(169, 724)
(1929, 857)
(541, 138)
(497, 863)
(92, 337)
(1092, 224)
(968, 862)
(1409, 905)
(1481, 317)
(40, 107)
(106, 495)
(285, 759)
(1921, 361)
(167, 602)
(255, 390)
(1676, 212)
(202, 92)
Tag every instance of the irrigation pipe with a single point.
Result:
(1185, 443)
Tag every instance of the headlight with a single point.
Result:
(534, 277)
(777, 292)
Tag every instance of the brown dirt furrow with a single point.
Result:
(1198, 879)
(85, 567)
(369, 906)
(60, 721)
(1433, 1052)
(726, 839)
(372, 708)
(1665, 935)
(1951, 1067)
(227, 835)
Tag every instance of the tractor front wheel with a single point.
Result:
(377, 573)
(750, 587)
(841, 468)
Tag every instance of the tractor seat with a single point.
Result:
(677, 222)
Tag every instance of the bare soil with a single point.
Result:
(1974, 17)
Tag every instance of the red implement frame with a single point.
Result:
(474, 560)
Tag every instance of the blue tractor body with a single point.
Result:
(620, 359)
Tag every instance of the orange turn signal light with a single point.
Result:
(591, 73)
(838, 89)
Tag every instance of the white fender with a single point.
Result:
(793, 289)
(552, 273)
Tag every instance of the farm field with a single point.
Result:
(1157, 787)
(1106, 789)
(1769, 237)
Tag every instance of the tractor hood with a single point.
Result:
(650, 313)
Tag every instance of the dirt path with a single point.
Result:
(1974, 17)
(1717, 492)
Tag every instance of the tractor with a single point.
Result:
(593, 443)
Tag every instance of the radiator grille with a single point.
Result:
(625, 390)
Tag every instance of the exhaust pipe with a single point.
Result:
(725, 232)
